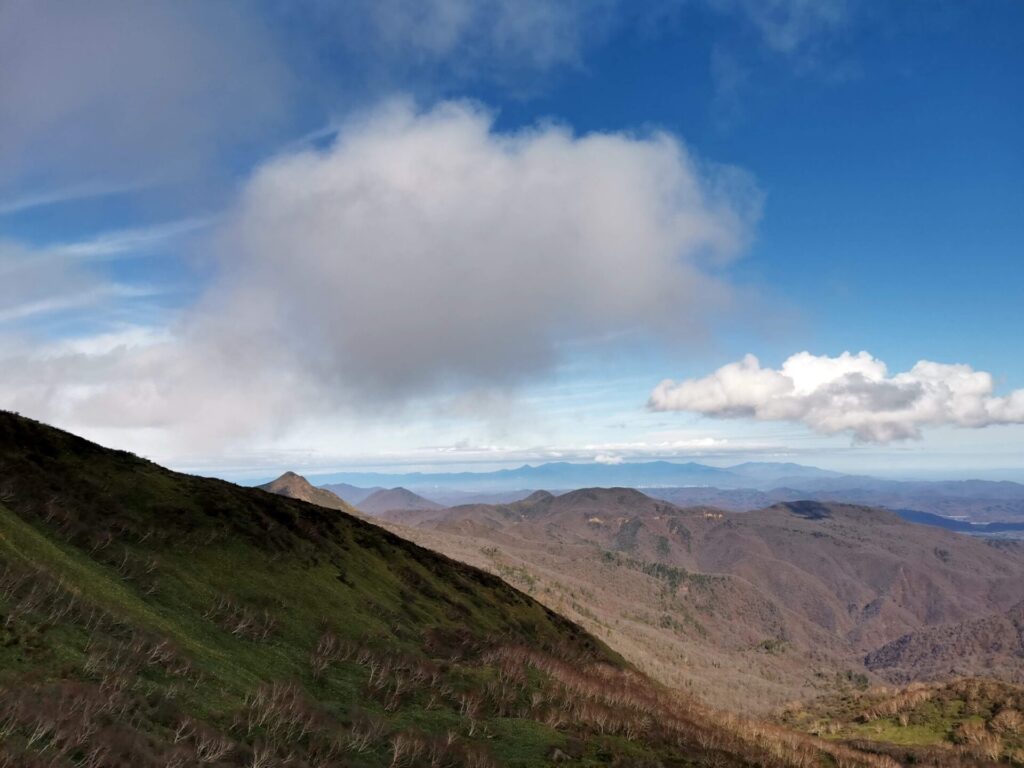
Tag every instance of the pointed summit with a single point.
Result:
(295, 486)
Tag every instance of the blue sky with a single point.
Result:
(246, 238)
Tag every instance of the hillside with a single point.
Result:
(747, 610)
(924, 724)
(387, 499)
(297, 487)
(155, 619)
(994, 644)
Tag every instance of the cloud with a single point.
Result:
(137, 241)
(426, 247)
(112, 94)
(37, 282)
(423, 253)
(123, 90)
(77, 281)
(787, 26)
(515, 34)
(848, 393)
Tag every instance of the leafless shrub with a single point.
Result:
(240, 620)
(365, 731)
(1008, 722)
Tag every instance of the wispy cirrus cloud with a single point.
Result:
(40, 281)
(846, 394)
(135, 241)
(787, 26)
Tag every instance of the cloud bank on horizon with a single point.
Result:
(848, 393)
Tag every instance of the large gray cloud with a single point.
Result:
(422, 252)
(848, 393)
(425, 247)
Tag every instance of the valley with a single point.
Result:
(775, 604)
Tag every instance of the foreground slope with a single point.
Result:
(150, 618)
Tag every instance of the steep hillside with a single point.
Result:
(993, 644)
(748, 610)
(156, 619)
(863, 574)
(387, 499)
(297, 487)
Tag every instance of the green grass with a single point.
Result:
(154, 553)
(143, 611)
(924, 718)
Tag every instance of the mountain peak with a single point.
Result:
(295, 486)
(390, 499)
(537, 497)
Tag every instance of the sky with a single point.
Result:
(244, 238)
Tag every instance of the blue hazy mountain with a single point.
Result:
(566, 475)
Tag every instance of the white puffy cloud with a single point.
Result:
(421, 253)
(848, 393)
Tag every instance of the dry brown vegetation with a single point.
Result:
(746, 611)
(971, 720)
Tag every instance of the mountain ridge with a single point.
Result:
(295, 486)
(740, 595)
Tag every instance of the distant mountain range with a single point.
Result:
(566, 476)
(741, 488)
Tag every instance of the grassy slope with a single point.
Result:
(152, 618)
(307, 568)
